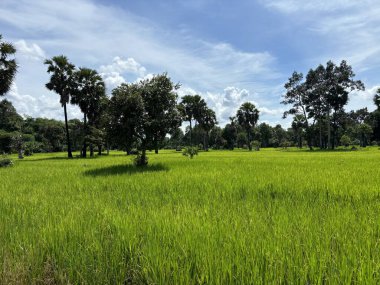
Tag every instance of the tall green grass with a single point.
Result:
(267, 217)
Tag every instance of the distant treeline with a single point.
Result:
(148, 115)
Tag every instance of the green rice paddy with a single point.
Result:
(267, 217)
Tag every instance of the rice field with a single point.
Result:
(224, 217)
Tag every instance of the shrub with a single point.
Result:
(345, 140)
(285, 144)
(140, 160)
(5, 161)
(190, 151)
(256, 145)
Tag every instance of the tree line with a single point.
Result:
(148, 115)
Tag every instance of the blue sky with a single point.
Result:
(229, 52)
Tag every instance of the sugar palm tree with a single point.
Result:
(88, 95)
(247, 117)
(61, 81)
(8, 67)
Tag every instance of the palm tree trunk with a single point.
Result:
(69, 153)
(84, 150)
(249, 140)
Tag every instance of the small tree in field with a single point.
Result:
(144, 112)
(18, 145)
(345, 141)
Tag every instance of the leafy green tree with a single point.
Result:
(241, 140)
(247, 117)
(376, 99)
(216, 138)
(62, 82)
(339, 83)
(298, 126)
(88, 94)
(160, 103)
(10, 120)
(265, 131)
(229, 133)
(363, 131)
(136, 109)
(345, 141)
(126, 111)
(279, 135)
(18, 144)
(8, 67)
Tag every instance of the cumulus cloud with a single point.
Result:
(113, 73)
(120, 65)
(42, 106)
(31, 51)
(362, 99)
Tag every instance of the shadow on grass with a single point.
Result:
(58, 158)
(125, 169)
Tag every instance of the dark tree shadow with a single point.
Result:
(58, 158)
(124, 169)
(32, 159)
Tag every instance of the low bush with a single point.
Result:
(5, 162)
(190, 151)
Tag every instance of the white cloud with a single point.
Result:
(291, 6)
(362, 99)
(112, 79)
(120, 65)
(42, 106)
(271, 112)
(32, 51)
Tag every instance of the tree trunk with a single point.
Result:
(20, 154)
(84, 150)
(191, 129)
(299, 139)
(108, 148)
(143, 154)
(91, 150)
(69, 153)
(206, 141)
(320, 135)
(156, 146)
(249, 140)
(328, 130)
(99, 149)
